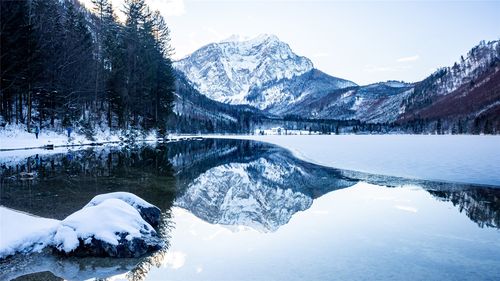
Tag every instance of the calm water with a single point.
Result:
(243, 210)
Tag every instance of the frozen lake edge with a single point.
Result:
(469, 159)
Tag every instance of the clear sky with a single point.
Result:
(364, 42)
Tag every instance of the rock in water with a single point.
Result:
(149, 212)
(108, 226)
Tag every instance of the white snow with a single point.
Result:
(129, 198)
(226, 71)
(20, 232)
(465, 158)
(469, 69)
(102, 218)
(102, 222)
(17, 137)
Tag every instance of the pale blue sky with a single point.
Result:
(361, 41)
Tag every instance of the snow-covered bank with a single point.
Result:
(455, 158)
(17, 137)
(112, 225)
(22, 232)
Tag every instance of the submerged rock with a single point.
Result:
(110, 227)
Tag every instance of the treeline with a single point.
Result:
(437, 126)
(62, 65)
(330, 126)
(481, 124)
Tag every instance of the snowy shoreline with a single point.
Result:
(15, 137)
(469, 159)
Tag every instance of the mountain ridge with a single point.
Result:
(308, 93)
(249, 72)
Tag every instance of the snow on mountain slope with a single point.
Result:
(264, 73)
(257, 72)
(479, 61)
(282, 95)
(377, 102)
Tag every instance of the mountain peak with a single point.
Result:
(265, 37)
(228, 70)
(237, 38)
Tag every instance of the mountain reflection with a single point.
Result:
(227, 182)
(262, 193)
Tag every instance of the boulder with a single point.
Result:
(149, 212)
(109, 227)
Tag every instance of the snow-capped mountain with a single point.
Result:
(265, 74)
(467, 89)
(258, 72)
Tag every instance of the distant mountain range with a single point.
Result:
(265, 74)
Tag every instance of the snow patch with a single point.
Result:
(20, 232)
(129, 198)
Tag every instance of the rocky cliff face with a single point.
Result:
(263, 72)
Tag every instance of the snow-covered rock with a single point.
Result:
(112, 228)
(149, 212)
(110, 225)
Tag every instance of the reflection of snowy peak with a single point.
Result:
(255, 72)
(262, 194)
(233, 194)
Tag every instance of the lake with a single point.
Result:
(247, 210)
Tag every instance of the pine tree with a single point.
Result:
(101, 8)
(16, 56)
(51, 61)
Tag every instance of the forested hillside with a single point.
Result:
(196, 113)
(62, 65)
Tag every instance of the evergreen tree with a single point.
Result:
(51, 62)
(16, 57)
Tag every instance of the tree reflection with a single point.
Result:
(481, 205)
(230, 182)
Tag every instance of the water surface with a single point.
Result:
(244, 210)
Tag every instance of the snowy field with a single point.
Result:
(17, 137)
(464, 159)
